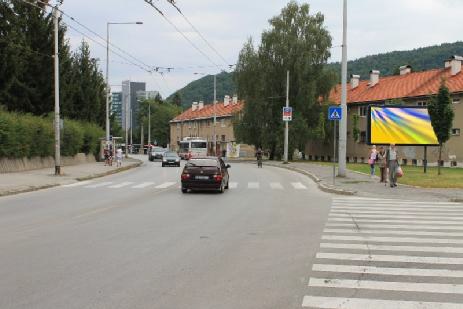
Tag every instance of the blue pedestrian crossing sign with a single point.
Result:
(334, 113)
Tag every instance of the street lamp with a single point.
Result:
(107, 70)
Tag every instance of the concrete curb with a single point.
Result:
(48, 186)
(321, 185)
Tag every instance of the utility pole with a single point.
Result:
(285, 156)
(107, 82)
(214, 139)
(149, 124)
(57, 117)
(142, 144)
(126, 126)
(131, 124)
(343, 124)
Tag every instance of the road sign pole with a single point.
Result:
(334, 153)
(286, 122)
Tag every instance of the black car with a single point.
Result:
(208, 173)
(170, 158)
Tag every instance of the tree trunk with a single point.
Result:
(440, 159)
(142, 144)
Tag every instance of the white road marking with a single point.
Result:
(99, 185)
(298, 186)
(165, 185)
(78, 184)
(396, 226)
(253, 185)
(392, 232)
(393, 271)
(121, 185)
(394, 239)
(395, 211)
(389, 258)
(143, 185)
(399, 209)
(276, 186)
(388, 286)
(232, 185)
(321, 302)
(347, 220)
(449, 217)
(370, 247)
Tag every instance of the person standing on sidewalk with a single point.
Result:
(392, 163)
(382, 163)
(119, 157)
(372, 156)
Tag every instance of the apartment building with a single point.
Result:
(410, 89)
(198, 121)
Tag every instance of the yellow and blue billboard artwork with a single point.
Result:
(401, 126)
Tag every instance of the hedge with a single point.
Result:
(24, 135)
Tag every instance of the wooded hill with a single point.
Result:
(420, 59)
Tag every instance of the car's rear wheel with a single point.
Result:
(226, 186)
(162, 164)
(184, 190)
(221, 189)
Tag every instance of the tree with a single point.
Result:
(296, 41)
(442, 115)
(177, 99)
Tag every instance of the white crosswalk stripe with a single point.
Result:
(232, 185)
(253, 185)
(78, 184)
(298, 186)
(165, 185)
(276, 186)
(392, 253)
(99, 185)
(143, 185)
(121, 185)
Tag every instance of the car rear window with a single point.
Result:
(202, 162)
(198, 145)
(170, 154)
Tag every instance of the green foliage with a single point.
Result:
(26, 67)
(203, 90)
(421, 59)
(25, 135)
(442, 115)
(296, 41)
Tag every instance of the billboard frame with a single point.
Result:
(368, 140)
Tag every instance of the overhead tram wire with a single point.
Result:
(172, 2)
(150, 2)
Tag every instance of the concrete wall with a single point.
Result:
(26, 164)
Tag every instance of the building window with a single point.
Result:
(456, 132)
(189, 125)
(363, 110)
(363, 137)
(222, 123)
(422, 103)
(414, 162)
(456, 100)
(223, 138)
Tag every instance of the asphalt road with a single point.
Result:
(133, 240)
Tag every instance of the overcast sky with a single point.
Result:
(375, 26)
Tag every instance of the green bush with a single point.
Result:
(24, 135)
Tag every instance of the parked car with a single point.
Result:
(206, 173)
(156, 153)
(170, 158)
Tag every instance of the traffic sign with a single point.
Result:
(287, 113)
(335, 113)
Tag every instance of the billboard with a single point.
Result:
(401, 126)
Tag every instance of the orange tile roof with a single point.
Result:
(208, 111)
(401, 86)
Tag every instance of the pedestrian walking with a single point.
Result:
(106, 156)
(119, 157)
(382, 163)
(372, 157)
(392, 163)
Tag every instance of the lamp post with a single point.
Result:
(107, 70)
(343, 124)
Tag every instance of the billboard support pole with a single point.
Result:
(425, 160)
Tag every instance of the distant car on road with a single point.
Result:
(170, 158)
(207, 173)
(156, 153)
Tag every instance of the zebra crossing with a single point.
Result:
(252, 185)
(389, 254)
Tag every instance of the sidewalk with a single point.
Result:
(13, 183)
(363, 185)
